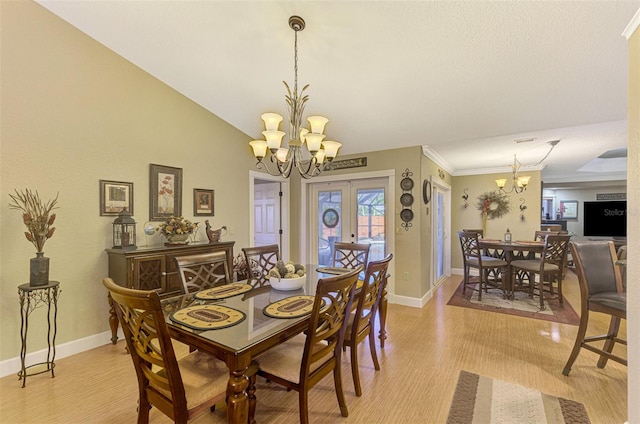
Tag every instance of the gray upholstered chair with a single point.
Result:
(600, 291)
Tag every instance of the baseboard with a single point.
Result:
(413, 302)
(12, 366)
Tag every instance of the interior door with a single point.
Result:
(348, 211)
(266, 205)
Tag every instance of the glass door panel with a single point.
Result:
(349, 212)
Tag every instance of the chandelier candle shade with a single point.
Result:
(519, 182)
(309, 162)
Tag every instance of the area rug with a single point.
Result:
(484, 400)
(521, 305)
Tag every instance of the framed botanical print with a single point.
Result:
(115, 196)
(203, 202)
(165, 192)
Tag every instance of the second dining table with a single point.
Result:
(509, 251)
(237, 322)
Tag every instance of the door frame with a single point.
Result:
(390, 174)
(284, 209)
(441, 185)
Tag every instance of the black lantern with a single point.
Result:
(124, 231)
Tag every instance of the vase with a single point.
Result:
(484, 224)
(174, 239)
(39, 270)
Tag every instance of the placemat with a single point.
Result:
(222, 292)
(529, 243)
(333, 270)
(290, 307)
(207, 317)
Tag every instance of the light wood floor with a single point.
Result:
(420, 363)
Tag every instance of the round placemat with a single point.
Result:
(222, 292)
(207, 317)
(290, 307)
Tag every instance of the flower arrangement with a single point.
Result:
(36, 215)
(287, 270)
(176, 225)
(493, 204)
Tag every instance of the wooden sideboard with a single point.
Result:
(154, 268)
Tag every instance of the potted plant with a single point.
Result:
(176, 230)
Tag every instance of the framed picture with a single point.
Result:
(203, 202)
(569, 209)
(115, 196)
(165, 192)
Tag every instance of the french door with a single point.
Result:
(348, 211)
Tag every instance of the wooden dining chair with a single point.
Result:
(260, 260)
(203, 271)
(179, 388)
(351, 255)
(472, 257)
(361, 323)
(600, 291)
(546, 269)
(301, 362)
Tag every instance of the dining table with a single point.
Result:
(510, 251)
(239, 323)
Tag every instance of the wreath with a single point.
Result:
(493, 204)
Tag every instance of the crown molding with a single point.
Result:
(632, 26)
(439, 160)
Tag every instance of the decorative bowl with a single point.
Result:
(287, 284)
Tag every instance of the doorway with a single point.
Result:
(348, 211)
(440, 236)
(268, 220)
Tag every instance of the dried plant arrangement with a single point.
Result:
(36, 215)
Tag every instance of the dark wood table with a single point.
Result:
(239, 344)
(509, 251)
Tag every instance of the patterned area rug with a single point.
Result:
(485, 400)
(522, 305)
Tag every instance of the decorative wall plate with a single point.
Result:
(426, 191)
(406, 184)
(406, 215)
(406, 199)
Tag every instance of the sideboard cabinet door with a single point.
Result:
(148, 273)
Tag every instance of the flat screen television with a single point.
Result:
(608, 218)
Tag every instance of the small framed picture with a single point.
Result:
(569, 209)
(165, 192)
(115, 196)
(203, 202)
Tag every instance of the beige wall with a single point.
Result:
(633, 231)
(471, 217)
(73, 112)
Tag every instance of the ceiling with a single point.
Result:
(465, 80)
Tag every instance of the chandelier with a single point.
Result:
(309, 161)
(519, 183)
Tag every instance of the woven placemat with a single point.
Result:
(333, 270)
(290, 307)
(207, 317)
(222, 292)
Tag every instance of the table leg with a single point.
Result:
(238, 400)
(24, 326)
(382, 315)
